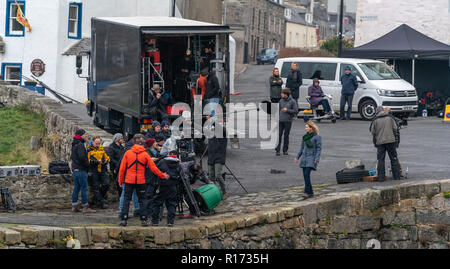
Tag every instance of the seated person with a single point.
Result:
(157, 103)
(317, 74)
(316, 94)
(155, 131)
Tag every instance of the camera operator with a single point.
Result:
(192, 172)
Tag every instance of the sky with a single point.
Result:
(333, 4)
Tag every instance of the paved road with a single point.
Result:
(424, 146)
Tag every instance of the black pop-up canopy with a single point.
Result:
(401, 43)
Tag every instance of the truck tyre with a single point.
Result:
(351, 175)
(367, 110)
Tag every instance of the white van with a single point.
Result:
(378, 84)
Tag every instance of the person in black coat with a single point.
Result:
(80, 167)
(166, 192)
(212, 94)
(294, 81)
(157, 103)
(115, 152)
(217, 152)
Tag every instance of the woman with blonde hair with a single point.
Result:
(275, 83)
(310, 155)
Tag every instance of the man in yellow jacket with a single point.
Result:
(98, 160)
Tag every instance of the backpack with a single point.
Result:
(58, 167)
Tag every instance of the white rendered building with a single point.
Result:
(375, 18)
(60, 29)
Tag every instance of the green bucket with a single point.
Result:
(208, 197)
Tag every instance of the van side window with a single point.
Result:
(352, 69)
(326, 71)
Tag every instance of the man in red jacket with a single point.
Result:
(132, 176)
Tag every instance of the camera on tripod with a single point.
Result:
(185, 148)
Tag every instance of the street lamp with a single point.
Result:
(341, 19)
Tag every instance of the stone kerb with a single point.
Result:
(335, 220)
(60, 124)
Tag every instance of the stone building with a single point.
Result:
(299, 33)
(315, 12)
(257, 24)
(201, 10)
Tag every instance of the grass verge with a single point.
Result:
(17, 125)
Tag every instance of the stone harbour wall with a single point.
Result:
(60, 124)
(409, 215)
(47, 192)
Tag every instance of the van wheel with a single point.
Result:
(367, 110)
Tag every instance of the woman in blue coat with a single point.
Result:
(310, 155)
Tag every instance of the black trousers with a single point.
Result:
(381, 154)
(149, 195)
(158, 114)
(284, 131)
(140, 191)
(168, 195)
(346, 98)
(275, 100)
(100, 186)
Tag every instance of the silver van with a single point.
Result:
(379, 85)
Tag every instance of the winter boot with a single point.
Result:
(86, 209)
(76, 208)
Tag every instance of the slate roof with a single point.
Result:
(83, 44)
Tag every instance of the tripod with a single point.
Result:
(230, 172)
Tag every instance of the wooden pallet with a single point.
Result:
(370, 178)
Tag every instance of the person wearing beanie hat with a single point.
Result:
(349, 86)
(166, 129)
(80, 167)
(384, 130)
(156, 129)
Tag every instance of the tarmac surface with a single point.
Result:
(424, 152)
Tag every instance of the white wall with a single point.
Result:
(49, 38)
(430, 17)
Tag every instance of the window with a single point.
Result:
(326, 71)
(12, 72)
(378, 71)
(353, 70)
(13, 27)
(75, 20)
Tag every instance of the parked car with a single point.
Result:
(267, 56)
(379, 85)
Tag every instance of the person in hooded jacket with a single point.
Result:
(316, 93)
(136, 207)
(80, 167)
(98, 161)
(132, 176)
(275, 82)
(167, 189)
(288, 110)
